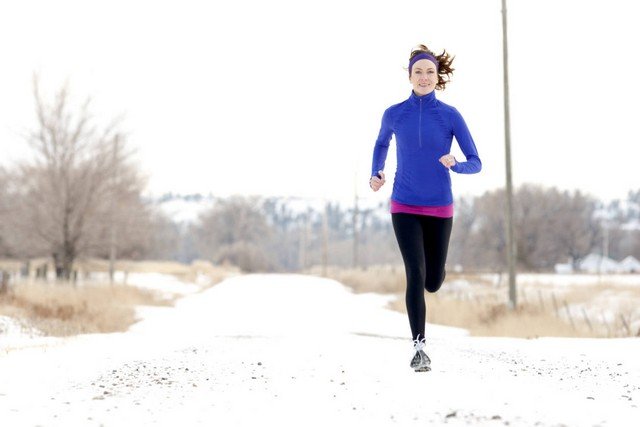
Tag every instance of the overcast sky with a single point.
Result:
(286, 97)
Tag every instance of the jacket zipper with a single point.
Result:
(420, 125)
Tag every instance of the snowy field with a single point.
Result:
(298, 350)
(560, 280)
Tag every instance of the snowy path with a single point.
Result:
(295, 350)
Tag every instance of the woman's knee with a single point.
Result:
(433, 283)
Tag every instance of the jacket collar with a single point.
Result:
(428, 99)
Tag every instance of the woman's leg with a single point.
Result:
(409, 234)
(436, 234)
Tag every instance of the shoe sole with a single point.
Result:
(423, 369)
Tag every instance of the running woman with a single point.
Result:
(421, 200)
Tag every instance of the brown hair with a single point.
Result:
(444, 64)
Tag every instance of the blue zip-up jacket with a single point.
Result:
(424, 128)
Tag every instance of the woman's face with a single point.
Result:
(423, 77)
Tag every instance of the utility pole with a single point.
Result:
(356, 235)
(511, 244)
(325, 240)
(605, 241)
(605, 246)
(304, 237)
(302, 247)
(114, 193)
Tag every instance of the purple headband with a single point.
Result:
(420, 56)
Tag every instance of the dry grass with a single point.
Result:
(489, 318)
(381, 279)
(10, 264)
(213, 272)
(481, 307)
(185, 272)
(61, 310)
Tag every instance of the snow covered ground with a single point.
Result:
(297, 350)
(572, 279)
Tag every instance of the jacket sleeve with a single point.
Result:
(382, 143)
(468, 147)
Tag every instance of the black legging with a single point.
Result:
(423, 242)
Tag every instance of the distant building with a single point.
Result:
(563, 268)
(630, 265)
(594, 263)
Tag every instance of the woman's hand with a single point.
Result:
(448, 160)
(375, 183)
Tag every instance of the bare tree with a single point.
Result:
(551, 226)
(125, 224)
(236, 231)
(489, 242)
(66, 194)
(463, 224)
(621, 219)
(165, 239)
(5, 250)
(573, 226)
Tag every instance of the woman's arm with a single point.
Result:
(382, 144)
(468, 147)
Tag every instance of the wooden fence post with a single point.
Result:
(566, 306)
(586, 318)
(541, 300)
(625, 324)
(555, 304)
(4, 282)
(606, 324)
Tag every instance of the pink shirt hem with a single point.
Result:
(437, 211)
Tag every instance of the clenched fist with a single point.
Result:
(376, 182)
